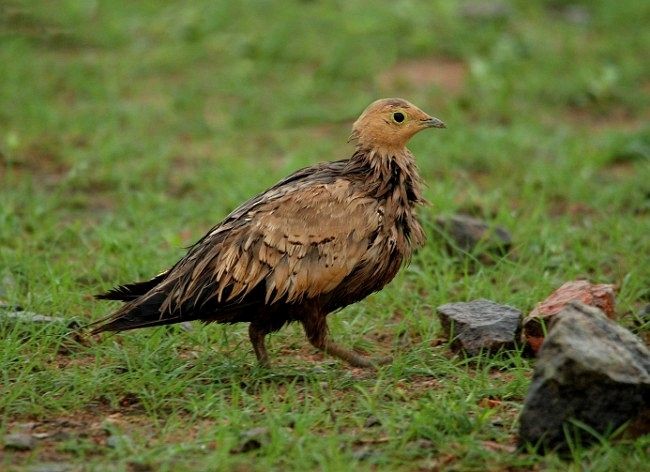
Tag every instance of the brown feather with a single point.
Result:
(324, 237)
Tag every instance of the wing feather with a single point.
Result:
(300, 244)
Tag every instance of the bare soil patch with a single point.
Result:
(618, 119)
(447, 74)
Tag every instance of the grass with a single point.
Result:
(127, 129)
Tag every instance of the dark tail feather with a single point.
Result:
(129, 292)
(140, 314)
(145, 312)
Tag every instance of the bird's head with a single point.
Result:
(389, 123)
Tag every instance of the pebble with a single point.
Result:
(480, 325)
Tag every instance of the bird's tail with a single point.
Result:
(140, 313)
(129, 292)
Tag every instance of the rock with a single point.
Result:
(494, 446)
(116, 441)
(19, 441)
(137, 466)
(26, 427)
(421, 444)
(480, 325)
(644, 314)
(186, 326)
(251, 440)
(536, 323)
(51, 467)
(589, 369)
(468, 233)
(371, 422)
(7, 283)
(484, 10)
(5, 305)
(362, 453)
(16, 314)
(576, 14)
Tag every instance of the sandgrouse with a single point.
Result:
(324, 237)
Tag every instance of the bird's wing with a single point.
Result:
(300, 243)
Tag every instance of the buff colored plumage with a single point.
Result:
(321, 239)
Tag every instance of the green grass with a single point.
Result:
(127, 129)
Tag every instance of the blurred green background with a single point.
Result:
(127, 129)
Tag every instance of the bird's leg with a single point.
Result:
(316, 331)
(257, 335)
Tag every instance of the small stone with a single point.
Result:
(136, 466)
(186, 326)
(15, 314)
(480, 325)
(115, 441)
(19, 441)
(498, 447)
(484, 10)
(420, 444)
(589, 369)
(645, 313)
(28, 426)
(362, 453)
(51, 467)
(252, 439)
(7, 284)
(371, 422)
(536, 323)
(576, 14)
(468, 233)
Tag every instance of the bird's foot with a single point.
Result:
(373, 362)
(316, 331)
(257, 339)
(357, 360)
(382, 360)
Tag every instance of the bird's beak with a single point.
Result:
(432, 122)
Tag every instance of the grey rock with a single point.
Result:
(420, 444)
(115, 441)
(252, 439)
(469, 233)
(51, 467)
(589, 369)
(25, 427)
(19, 441)
(7, 283)
(137, 466)
(480, 325)
(645, 313)
(362, 453)
(15, 314)
(184, 326)
(371, 422)
(187, 326)
(576, 14)
(484, 10)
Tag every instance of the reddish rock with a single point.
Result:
(600, 296)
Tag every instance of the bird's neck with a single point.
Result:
(390, 173)
(392, 177)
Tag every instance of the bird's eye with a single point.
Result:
(398, 117)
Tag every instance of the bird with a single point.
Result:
(323, 238)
